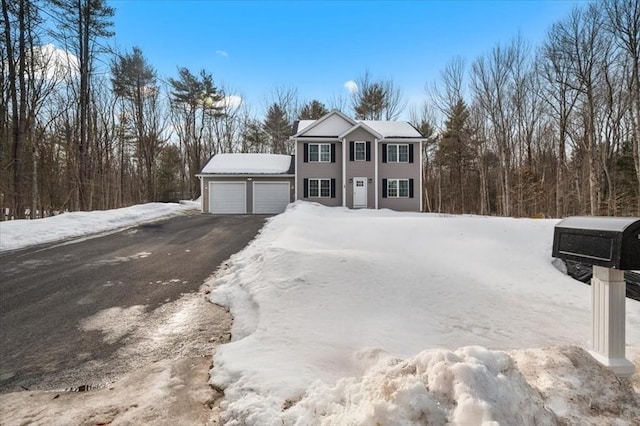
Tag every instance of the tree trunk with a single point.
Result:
(34, 186)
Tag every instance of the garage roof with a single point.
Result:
(249, 164)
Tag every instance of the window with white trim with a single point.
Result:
(320, 152)
(360, 151)
(319, 188)
(397, 153)
(398, 188)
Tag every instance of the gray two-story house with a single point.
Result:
(358, 164)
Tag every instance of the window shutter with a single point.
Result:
(333, 152)
(384, 154)
(351, 150)
(333, 188)
(306, 155)
(306, 187)
(410, 187)
(368, 151)
(411, 152)
(384, 188)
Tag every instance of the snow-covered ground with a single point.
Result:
(17, 234)
(378, 317)
(370, 317)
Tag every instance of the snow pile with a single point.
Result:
(466, 387)
(17, 234)
(328, 301)
(248, 163)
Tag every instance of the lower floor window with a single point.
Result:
(319, 188)
(398, 188)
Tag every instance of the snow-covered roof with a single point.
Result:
(598, 223)
(303, 124)
(387, 129)
(248, 164)
(393, 129)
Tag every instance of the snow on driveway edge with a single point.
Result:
(17, 234)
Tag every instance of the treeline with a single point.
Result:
(549, 130)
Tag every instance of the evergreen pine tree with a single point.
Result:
(278, 129)
(456, 151)
(313, 110)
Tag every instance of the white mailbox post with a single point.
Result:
(608, 320)
(611, 245)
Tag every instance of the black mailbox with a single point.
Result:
(612, 242)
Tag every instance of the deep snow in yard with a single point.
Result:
(371, 317)
(379, 317)
(22, 233)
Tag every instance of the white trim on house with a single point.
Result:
(375, 180)
(421, 175)
(243, 175)
(295, 168)
(344, 172)
(314, 139)
(361, 126)
(201, 193)
(401, 140)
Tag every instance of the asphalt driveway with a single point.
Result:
(69, 308)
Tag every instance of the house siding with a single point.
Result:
(249, 187)
(308, 170)
(333, 125)
(360, 169)
(400, 171)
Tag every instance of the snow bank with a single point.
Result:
(17, 234)
(327, 302)
(467, 387)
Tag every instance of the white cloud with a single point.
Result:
(222, 53)
(56, 63)
(230, 102)
(351, 86)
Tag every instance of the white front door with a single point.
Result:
(359, 192)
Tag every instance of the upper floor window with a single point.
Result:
(320, 152)
(397, 153)
(360, 151)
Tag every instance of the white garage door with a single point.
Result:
(270, 197)
(227, 197)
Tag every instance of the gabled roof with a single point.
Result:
(267, 164)
(305, 126)
(364, 126)
(340, 128)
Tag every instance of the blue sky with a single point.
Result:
(317, 46)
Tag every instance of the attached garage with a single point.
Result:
(247, 184)
(270, 197)
(228, 197)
